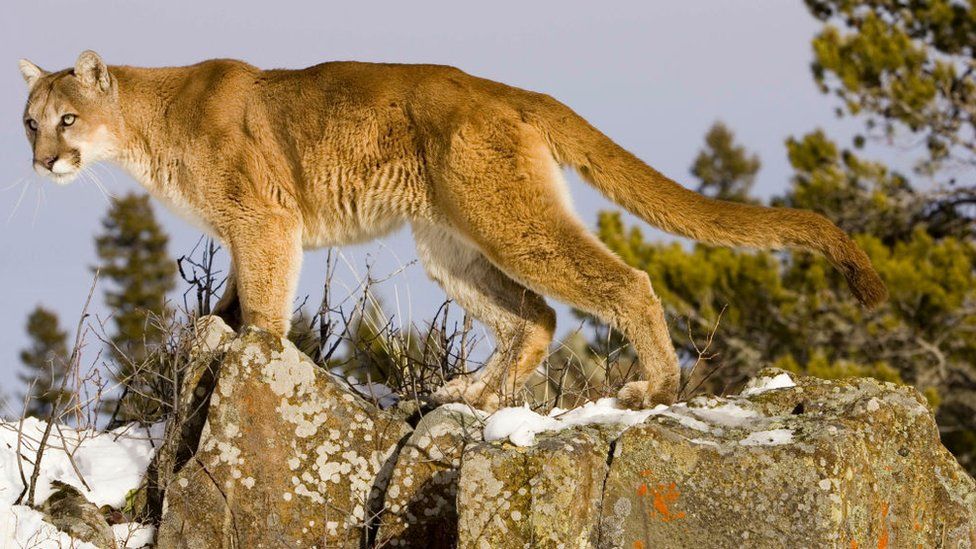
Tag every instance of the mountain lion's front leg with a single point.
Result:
(267, 255)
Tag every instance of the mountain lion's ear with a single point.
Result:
(91, 70)
(30, 72)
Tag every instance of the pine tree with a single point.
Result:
(907, 70)
(133, 257)
(724, 169)
(903, 66)
(45, 361)
(858, 195)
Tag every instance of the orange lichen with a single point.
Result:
(666, 494)
(638, 544)
(642, 490)
(883, 539)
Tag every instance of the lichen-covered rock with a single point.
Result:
(287, 457)
(210, 339)
(547, 495)
(420, 510)
(850, 463)
(74, 515)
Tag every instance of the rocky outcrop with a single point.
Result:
(853, 463)
(288, 457)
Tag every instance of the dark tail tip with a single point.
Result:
(866, 285)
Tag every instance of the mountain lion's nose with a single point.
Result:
(49, 161)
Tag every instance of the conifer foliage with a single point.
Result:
(138, 274)
(45, 362)
(723, 168)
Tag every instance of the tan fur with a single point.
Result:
(271, 161)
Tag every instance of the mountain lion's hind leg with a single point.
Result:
(525, 227)
(519, 319)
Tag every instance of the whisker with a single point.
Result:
(17, 205)
(98, 180)
(101, 185)
(94, 179)
(15, 183)
(115, 180)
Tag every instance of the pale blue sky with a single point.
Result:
(652, 75)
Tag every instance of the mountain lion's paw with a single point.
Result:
(640, 395)
(471, 392)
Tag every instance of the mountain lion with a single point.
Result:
(274, 161)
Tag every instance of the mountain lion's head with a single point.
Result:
(72, 116)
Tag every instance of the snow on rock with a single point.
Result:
(761, 385)
(111, 463)
(520, 424)
(133, 535)
(464, 409)
(726, 414)
(21, 526)
(839, 463)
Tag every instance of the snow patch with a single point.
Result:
(112, 463)
(520, 425)
(726, 415)
(21, 526)
(133, 534)
(764, 384)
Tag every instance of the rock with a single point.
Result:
(850, 463)
(547, 495)
(419, 510)
(288, 457)
(74, 515)
(209, 341)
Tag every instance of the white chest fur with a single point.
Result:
(163, 188)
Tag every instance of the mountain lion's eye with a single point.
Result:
(68, 119)
(32, 124)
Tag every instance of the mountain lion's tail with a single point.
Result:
(645, 192)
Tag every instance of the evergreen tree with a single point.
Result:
(724, 169)
(904, 66)
(45, 361)
(909, 67)
(858, 195)
(133, 257)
